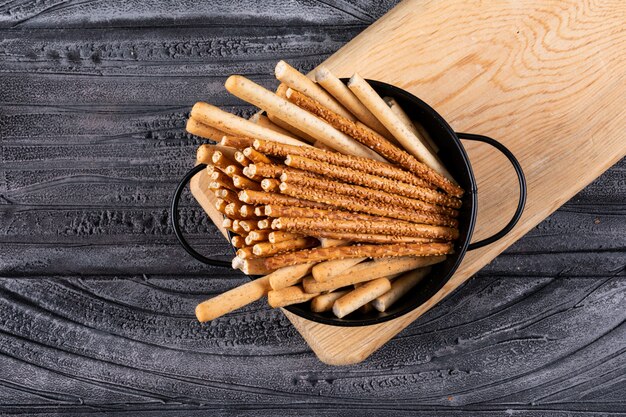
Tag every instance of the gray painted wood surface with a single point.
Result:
(97, 298)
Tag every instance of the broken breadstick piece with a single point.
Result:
(360, 296)
(324, 302)
(399, 288)
(232, 299)
(288, 296)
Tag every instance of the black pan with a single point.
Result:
(456, 161)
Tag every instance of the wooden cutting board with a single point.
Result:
(546, 79)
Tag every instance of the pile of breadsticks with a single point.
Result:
(332, 193)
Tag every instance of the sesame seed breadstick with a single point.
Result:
(347, 98)
(369, 207)
(249, 225)
(244, 183)
(288, 296)
(255, 94)
(280, 236)
(222, 180)
(256, 156)
(388, 118)
(289, 275)
(237, 126)
(276, 210)
(257, 236)
(195, 127)
(269, 249)
(261, 197)
(367, 271)
(246, 253)
(375, 142)
(381, 226)
(304, 180)
(227, 195)
(371, 181)
(232, 299)
(399, 288)
(369, 166)
(360, 296)
(293, 78)
(364, 237)
(270, 185)
(241, 158)
(357, 251)
(238, 241)
(264, 224)
(205, 152)
(232, 209)
(247, 212)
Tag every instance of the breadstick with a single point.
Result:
(249, 225)
(276, 210)
(232, 299)
(232, 170)
(221, 160)
(360, 296)
(324, 302)
(241, 158)
(246, 253)
(257, 236)
(264, 224)
(232, 209)
(368, 271)
(237, 227)
(261, 197)
(347, 98)
(289, 275)
(400, 287)
(269, 249)
(288, 296)
(263, 120)
(244, 183)
(295, 132)
(259, 210)
(227, 195)
(237, 142)
(263, 170)
(220, 205)
(380, 226)
(204, 154)
(278, 236)
(195, 127)
(326, 242)
(414, 127)
(270, 185)
(237, 126)
(324, 271)
(255, 156)
(238, 241)
(369, 207)
(371, 181)
(364, 237)
(304, 180)
(366, 94)
(221, 180)
(358, 251)
(253, 266)
(293, 78)
(294, 115)
(247, 212)
(227, 224)
(369, 166)
(375, 142)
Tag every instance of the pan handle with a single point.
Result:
(522, 188)
(175, 215)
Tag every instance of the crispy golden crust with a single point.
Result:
(366, 165)
(374, 208)
(371, 181)
(382, 226)
(357, 251)
(368, 194)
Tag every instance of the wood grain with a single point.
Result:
(532, 91)
(97, 298)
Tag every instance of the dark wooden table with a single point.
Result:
(97, 298)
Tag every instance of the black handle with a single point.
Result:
(522, 188)
(176, 219)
